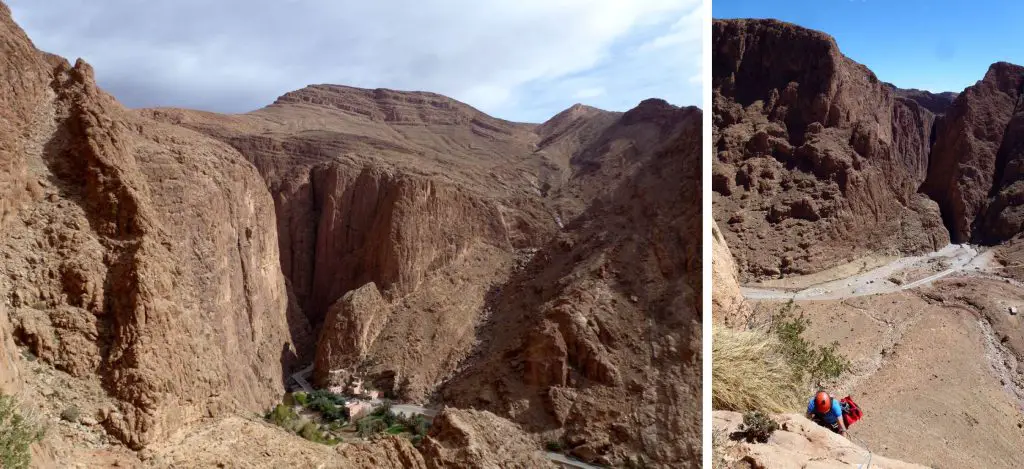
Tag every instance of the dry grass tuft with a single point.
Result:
(750, 372)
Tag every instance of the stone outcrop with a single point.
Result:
(353, 323)
(810, 146)
(798, 443)
(727, 303)
(474, 438)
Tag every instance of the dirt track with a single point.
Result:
(949, 260)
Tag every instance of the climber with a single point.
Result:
(827, 411)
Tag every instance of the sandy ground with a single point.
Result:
(934, 360)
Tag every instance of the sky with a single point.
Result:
(931, 45)
(521, 60)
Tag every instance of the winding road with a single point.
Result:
(957, 258)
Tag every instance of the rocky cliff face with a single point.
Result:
(139, 255)
(810, 146)
(430, 200)
(595, 341)
(967, 146)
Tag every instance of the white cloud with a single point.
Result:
(235, 55)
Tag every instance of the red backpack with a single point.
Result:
(851, 413)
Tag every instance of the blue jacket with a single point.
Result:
(832, 416)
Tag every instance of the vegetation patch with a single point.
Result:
(17, 433)
(749, 371)
(811, 364)
(757, 427)
(322, 417)
(770, 369)
(286, 417)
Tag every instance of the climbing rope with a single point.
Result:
(867, 462)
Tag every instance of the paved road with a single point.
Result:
(960, 258)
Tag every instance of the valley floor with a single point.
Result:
(934, 342)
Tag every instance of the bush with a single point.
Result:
(813, 365)
(282, 416)
(757, 427)
(385, 413)
(416, 424)
(70, 414)
(311, 432)
(296, 398)
(19, 432)
(371, 426)
(553, 446)
(749, 371)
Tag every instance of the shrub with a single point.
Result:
(419, 425)
(370, 426)
(312, 432)
(282, 416)
(385, 407)
(553, 446)
(812, 365)
(396, 429)
(70, 414)
(18, 434)
(416, 424)
(749, 371)
(757, 427)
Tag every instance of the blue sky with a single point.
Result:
(522, 60)
(937, 46)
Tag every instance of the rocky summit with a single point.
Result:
(167, 276)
